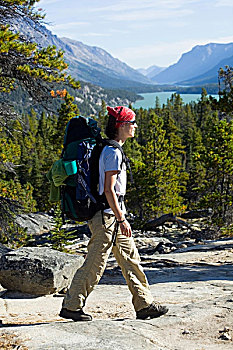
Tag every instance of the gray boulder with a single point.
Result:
(4, 249)
(38, 271)
(35, 223)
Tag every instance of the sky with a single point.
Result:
(142, 33)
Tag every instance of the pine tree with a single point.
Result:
(225, 102)
(23, 64)
(46, 155)
(21, 60)
(173, 135)
(176, 109)
(205, 114)
(159, 180)
(157, 105)
(102, 119)
(217, 157)
(196, 169)
(143, 119)
(190, 135)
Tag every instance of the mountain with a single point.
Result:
(151, 71)
(100, 62)
(209, 77)
(86, 63)
(196, 62)
(96, 66)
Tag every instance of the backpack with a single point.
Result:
(83, 144)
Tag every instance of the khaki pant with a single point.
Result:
(99, 248)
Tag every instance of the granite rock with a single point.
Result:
(38, 270)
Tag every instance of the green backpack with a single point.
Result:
(82, 147)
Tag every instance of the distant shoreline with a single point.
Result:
(142, 89)
(148, 99)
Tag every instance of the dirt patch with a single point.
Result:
(9, 341)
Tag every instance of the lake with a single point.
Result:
(149, 98)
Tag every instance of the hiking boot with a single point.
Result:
(75, 315)
(153, 311)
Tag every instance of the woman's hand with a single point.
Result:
(125, 228)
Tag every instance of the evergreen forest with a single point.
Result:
(181, 156)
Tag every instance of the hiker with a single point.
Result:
(112, 182)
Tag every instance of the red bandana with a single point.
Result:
(122, 114)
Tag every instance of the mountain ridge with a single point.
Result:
(94, 65)
(100, 67)
(201, 58)
(89, 63)
(151, 71)
(209, 77)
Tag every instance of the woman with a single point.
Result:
(112, 181)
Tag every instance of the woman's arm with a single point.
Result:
(109, 190)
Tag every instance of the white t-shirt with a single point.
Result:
(110, 160)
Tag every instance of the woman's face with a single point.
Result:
(129, 128)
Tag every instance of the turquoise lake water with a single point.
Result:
(149, 99)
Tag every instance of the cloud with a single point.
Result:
(224, 39)
(172, 23)
(93, 34)
(119, 31)
(146, 10)
(148, 15)
(224, 3)
(131, 5)
(69, 25)
(47, 2)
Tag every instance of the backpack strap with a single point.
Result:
(115, 144)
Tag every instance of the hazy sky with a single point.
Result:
(142, 33)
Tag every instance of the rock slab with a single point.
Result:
(4, 249)
(38, 270)
(35, 223)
